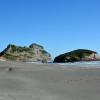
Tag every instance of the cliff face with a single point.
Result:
(34, 52)
(78, 55)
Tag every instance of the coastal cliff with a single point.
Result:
(77, 55)
(34, 52)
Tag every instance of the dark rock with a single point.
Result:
(10, 69)
(77, 55)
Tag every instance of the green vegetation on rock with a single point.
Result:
(73, 56)
(31, 53)
(34, 45)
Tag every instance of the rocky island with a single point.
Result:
(77, 55)
(34, 52)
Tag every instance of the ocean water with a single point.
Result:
(88, 64)
(82, 64)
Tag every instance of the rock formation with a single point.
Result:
(34, 52)
(77, 55)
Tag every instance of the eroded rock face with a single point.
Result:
(34, 52)
(77, 55)
(2, 59)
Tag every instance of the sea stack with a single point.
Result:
(77, 55)
(34, 52)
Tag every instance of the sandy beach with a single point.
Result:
(29, 81)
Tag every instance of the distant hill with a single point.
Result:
(77, 55)
(34, 52)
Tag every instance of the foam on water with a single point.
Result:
(89, 64)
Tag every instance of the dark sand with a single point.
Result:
(48, 82)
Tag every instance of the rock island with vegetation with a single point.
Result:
(34, 52)
(77, 55)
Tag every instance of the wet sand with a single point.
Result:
(27, 81)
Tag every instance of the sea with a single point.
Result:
(87, 64)
(82, 64)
